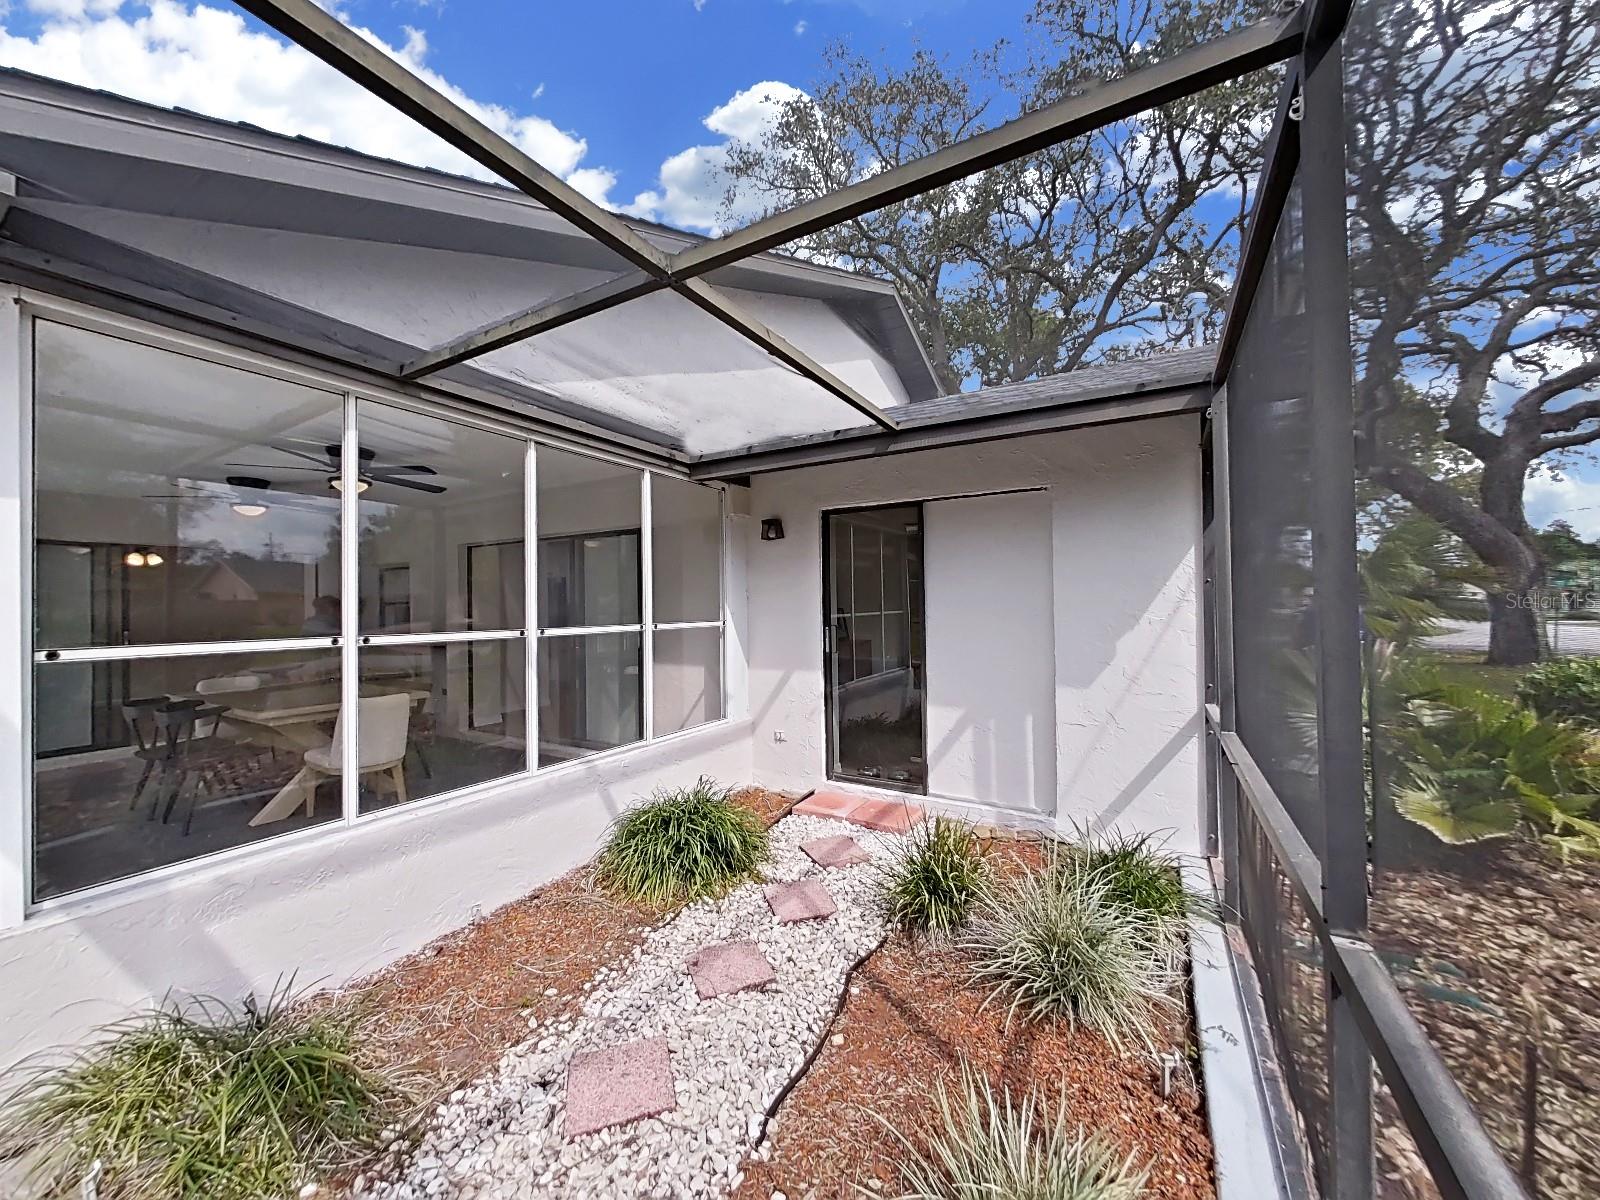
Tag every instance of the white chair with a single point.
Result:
(385, 721)
(217, 685)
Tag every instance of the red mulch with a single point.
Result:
(912, 1018)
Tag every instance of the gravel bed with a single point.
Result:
(503, 1138)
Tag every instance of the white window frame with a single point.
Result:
(20, 657)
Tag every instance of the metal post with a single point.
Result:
(1340, 744)
(530, 604)
(647, 612)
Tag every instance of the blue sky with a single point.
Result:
(631, 100)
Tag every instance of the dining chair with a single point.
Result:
(138, 715)
(385, 723)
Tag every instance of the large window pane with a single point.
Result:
(437, 718)
(144, 762)
(686, 560)
(436, 496)
(687, 681)
(588, 541)
(589, 694)
(175, 498)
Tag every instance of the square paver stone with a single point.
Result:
(802, 900)
(887, 816)
(622, 1084)
(840, 851)
(729, 967)
(826, 803)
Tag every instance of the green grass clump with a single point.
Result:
(984, 1147)
(682, 846)
(1060, 943)
(1143, 875)
(202, 1101)
(933, 882)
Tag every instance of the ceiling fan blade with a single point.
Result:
(394, 481)
(279, 467)
(413, 469)
(322, 460)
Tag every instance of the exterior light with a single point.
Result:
(250, 510)
(336, 482)
(772, 530)
(134, 559)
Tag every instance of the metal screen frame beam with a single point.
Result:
(328, 38)
(1184, 74)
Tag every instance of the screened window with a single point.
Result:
(214, 666)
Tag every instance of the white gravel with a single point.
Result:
(502, 1137)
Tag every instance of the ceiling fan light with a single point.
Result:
(250, 510)
(336, 482)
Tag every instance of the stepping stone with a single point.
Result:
(729, 967)
(839, 851)
(824, 803)
(802, 900)
(887, 816)
(622, 1084)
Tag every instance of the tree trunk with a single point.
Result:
(1513, 629)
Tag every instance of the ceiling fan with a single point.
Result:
(242, 503)
(370, 472)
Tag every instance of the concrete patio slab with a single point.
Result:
(729, 967)
(840, 851)
(802, 900)
(622, 1084)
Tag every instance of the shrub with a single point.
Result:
(201, 1100)
(1564, 689)
(1060, 943)
(682, 846)
(983, 1146)
(1479, 766)
(934, 881)
(1144, 876)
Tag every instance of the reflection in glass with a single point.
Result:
(589, 694)
(170, 503)
(430, 488)
(687, 680)
(588, 541)
(875, 613)
(686, 558)
(436, 718)
(145, 762)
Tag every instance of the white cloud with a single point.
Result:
(800, 28)
(693, 183)
(1569, 497)
(206, 59)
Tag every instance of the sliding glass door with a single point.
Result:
(873, 636)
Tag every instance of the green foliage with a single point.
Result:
(1482, 766)
(1566, 689)
(682, 846)
(934, 881)
(1060, 942)
(1413, 576)
(201, 1101)
(988, 1147)
(1144, 876)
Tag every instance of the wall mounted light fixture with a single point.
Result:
(772, 529)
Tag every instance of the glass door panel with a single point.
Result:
(873, 631)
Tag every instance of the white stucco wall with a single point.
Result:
(1124, 524)
(333, 904)
(991, 701)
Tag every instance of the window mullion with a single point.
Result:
(530, 604)
(350, 611)
(647, 609)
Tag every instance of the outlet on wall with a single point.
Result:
(779, 736)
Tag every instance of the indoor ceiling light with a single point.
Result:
(134, 559)
(336, 482)
(250, 510)
(152, 559)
